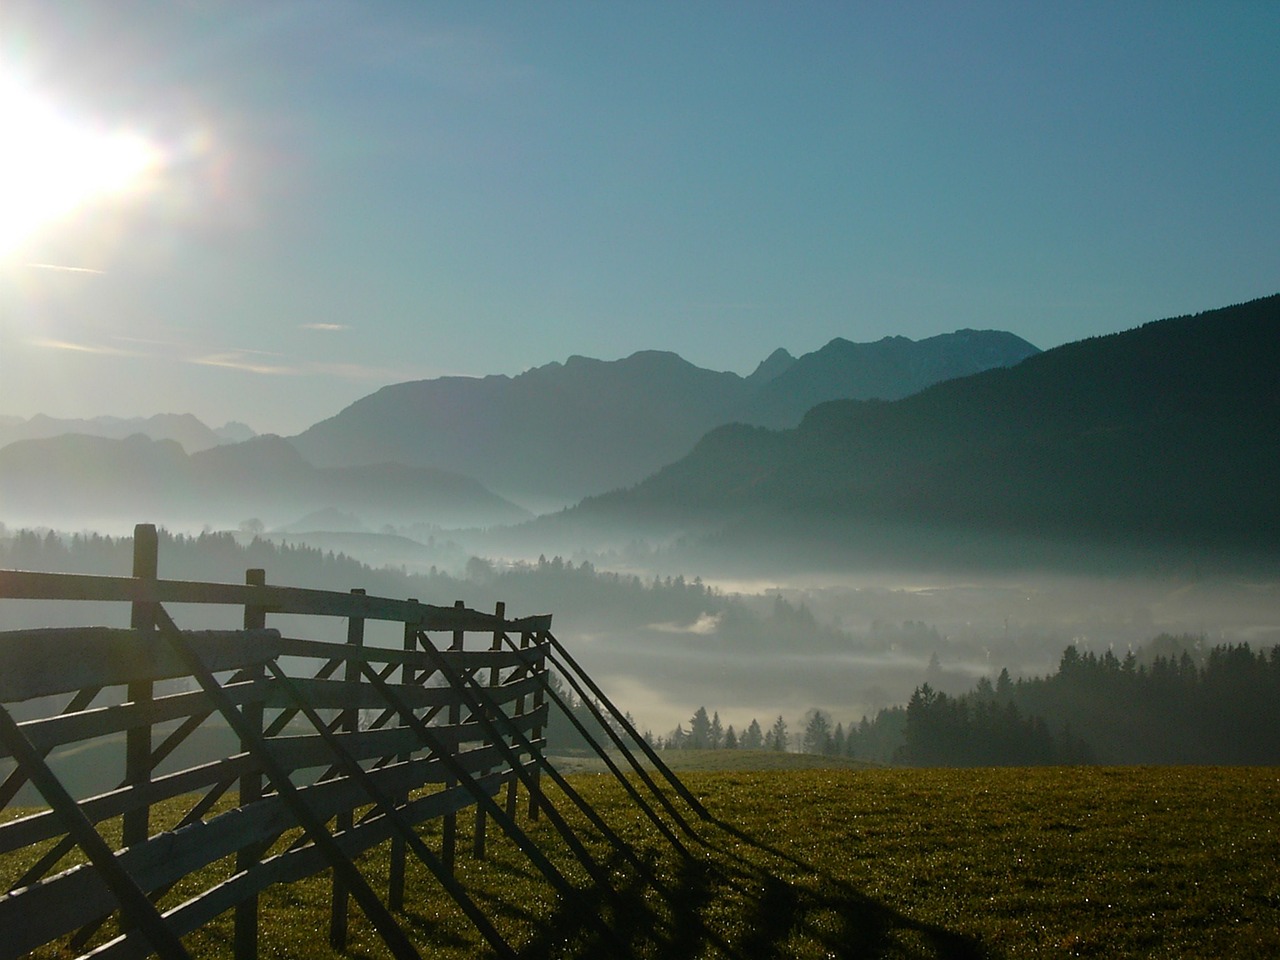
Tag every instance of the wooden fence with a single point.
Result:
(351, 743)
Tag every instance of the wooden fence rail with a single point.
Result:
(286, 756)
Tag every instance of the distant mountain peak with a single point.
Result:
(1161, 436)
(185, 428)
(562, 431)
(886, 369)
(772, 366)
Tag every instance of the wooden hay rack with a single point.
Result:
(355, 744)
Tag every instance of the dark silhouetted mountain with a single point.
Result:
(186, 429)
(772, 366)
(558, 431)
(1165, 434)
(562, 431)
(84, 477)
(888, 369)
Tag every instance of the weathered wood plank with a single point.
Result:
(41, 663)
(63, 903)
(338, 695)
(461, 660)
(294, 865)
(306, 751)
(49, 732)
(29, 585)
(45, 825)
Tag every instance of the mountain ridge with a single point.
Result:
(1169, 432)
(82, 476)
(565, 430)
(188, 430)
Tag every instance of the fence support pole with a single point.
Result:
(246, 912)
(499, 612)
(513, 797)
(539, 698)
(136, 824)
(395, 879)
(346, 820)
(449, 828)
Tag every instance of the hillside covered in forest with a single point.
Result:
(1165, 435)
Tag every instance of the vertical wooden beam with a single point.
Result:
(539, 697)
(345, 820)
(477, 846)
(395, 881)
(136, 823)
(449, 828)
(246, 912)
(374, 910)
(513, 786)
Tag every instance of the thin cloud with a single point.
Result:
(326, 327)
(261, 362)
(65, 268)
(95, 348)
(240, 360)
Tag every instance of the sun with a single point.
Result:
(54, 165)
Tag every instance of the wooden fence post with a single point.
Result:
(346, 820)
(539, 697)
(395, 881)
(449, 828)
(246, 912)
(136, 824)
(514, 786)
(477, 847)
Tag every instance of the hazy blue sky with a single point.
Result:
(327, 197)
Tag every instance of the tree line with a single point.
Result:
(1190, 705)
(708, 733)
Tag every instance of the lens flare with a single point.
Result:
(53, 166)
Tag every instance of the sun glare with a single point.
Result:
(53, 165)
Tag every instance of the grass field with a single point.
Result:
(850, 862)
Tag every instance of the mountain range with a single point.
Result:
(1164, 434)
(85, 477)
(562, 431)
(192, 434)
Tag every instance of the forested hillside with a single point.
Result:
(1165, 435)
(566, 430)
(1190, 705)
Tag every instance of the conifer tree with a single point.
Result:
(777, 737)
(817, 733)
(700, 730)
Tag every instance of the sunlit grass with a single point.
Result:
(847, 862)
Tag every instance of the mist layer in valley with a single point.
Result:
(742, 640)
(1115, 494)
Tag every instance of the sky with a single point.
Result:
(263, 211)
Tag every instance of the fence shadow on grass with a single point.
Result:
(411, 733)
(758, 903)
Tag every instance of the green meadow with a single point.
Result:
(802, 861)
